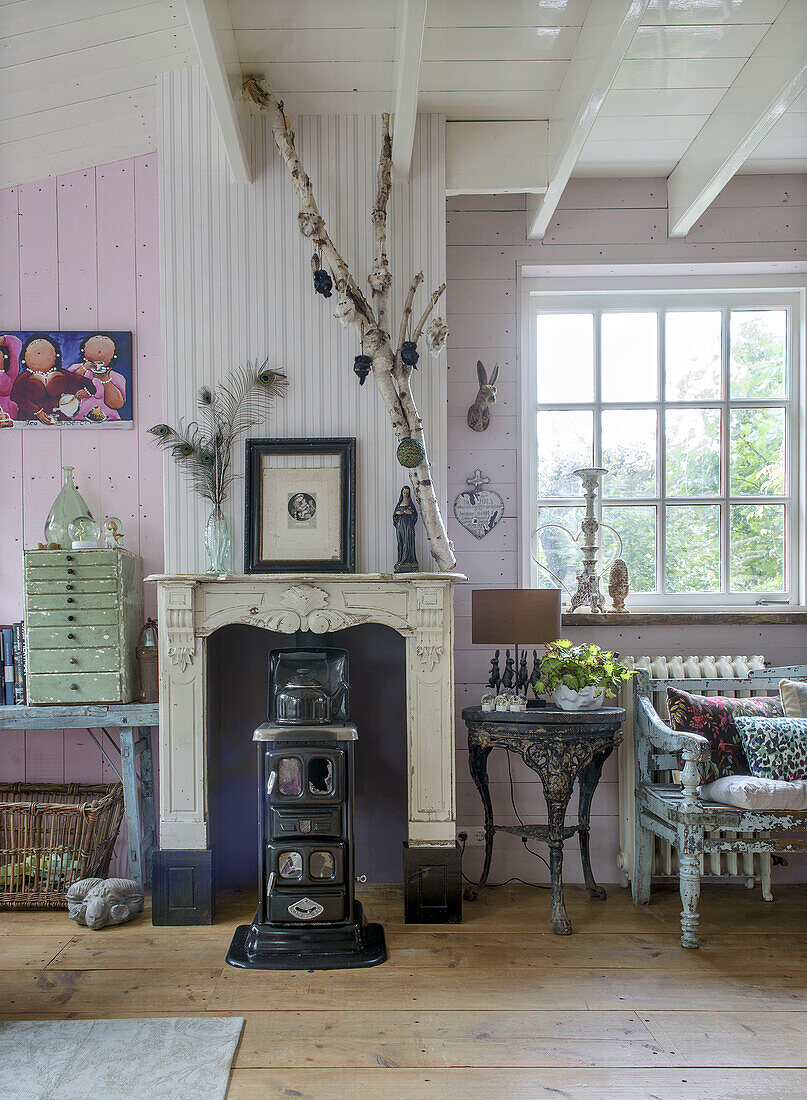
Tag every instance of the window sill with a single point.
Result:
(767, 617)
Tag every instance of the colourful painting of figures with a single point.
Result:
(66, 379)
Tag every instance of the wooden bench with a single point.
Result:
(675, 812)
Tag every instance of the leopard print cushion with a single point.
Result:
(776, 747)
(713, 718)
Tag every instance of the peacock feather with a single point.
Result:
(203, 448)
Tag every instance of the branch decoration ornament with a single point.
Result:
(369, 315)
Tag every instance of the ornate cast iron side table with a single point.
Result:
(561, 746)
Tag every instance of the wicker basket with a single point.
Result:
(52, 835)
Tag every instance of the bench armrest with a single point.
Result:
(690, 745)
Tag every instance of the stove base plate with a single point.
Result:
(323, 947)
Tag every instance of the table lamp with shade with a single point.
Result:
(516, 617)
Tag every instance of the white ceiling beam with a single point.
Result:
(212, 31)
(495, 158)
(605, 36)
(767, 84)
(410, 50)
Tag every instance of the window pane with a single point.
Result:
(757, 451)
(322, 865)
(692, 441)
(692, 559)
(555, 550)
(629, 452)
(565, 443)
(757, 367)
(637, 529)
(629, 357)
(757, 554)
(290, 776)
(565, 357)
(290, 865)
(692, 360)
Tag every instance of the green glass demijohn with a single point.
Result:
(67, 506)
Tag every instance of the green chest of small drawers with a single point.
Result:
(83, 614)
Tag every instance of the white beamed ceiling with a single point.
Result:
(77, 77)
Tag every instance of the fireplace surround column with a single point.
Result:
(418, 605)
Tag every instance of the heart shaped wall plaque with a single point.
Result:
(478, 509)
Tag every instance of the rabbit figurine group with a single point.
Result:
(479, 412)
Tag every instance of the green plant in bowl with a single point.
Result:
(580, 666)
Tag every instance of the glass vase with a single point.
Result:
(217, 540)
(68, 505)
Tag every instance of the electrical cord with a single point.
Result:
(463, 839)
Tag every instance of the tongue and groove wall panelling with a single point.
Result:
(80, 251)
(237, 285)
(12, 757)
(599, 224)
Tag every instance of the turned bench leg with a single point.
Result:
(689, 881)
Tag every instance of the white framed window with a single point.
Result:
(690, 398)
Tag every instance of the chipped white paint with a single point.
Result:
(419, 606)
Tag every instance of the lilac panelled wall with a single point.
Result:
(79, 251)
(599, 222)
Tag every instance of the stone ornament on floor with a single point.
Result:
(98, 902)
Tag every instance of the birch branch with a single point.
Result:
(310, 221)
(380, 277)
(393, 384)
(432, 303)
(407, 309)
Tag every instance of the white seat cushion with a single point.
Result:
(749, 793)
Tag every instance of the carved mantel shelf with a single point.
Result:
(419, 606)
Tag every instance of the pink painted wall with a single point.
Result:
(599, 222)
(79, 251)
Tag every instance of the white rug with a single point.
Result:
(171, 1058)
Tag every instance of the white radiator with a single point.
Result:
(753, 867)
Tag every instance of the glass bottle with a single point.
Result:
(68, 505)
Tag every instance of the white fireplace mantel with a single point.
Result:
(418, 606)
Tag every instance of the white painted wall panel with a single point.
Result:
(236, 284)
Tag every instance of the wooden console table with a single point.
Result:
(560, 746)
(133, 721)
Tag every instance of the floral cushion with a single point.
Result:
(713, 718)
(776, 747)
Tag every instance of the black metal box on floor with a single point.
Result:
(307, 916)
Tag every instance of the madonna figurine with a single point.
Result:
(404, 519)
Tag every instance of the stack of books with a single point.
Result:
(12, 653)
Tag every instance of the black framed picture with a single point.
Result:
(300, 506)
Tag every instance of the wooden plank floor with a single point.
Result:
(497, 1007)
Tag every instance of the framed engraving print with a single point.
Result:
(300, 506)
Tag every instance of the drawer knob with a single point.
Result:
(70, 619)
(71, 636)
(73, 661)
(70, 599)
(69, 557)
(69, 587)
(74, 687)
(70, 572)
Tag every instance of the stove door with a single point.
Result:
(307, 775)
(311, 863)
(314, 906)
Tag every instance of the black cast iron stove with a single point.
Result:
(308, 917)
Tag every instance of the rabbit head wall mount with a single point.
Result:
(479, 412)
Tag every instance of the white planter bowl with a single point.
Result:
(589, 698)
